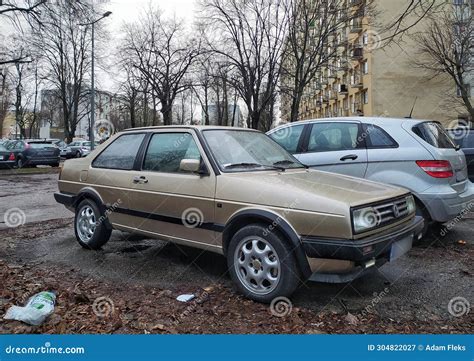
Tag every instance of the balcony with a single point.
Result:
(357, 53)
(343, 89)
(356, 27)
(356, 82)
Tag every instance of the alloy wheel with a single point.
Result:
(257, 265)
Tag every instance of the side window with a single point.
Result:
(327, 137)
(166, 151)
(19, 145)
(379, 138)
(288, 137)
(121, 153)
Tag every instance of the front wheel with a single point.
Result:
(91, 231)
(261, 264)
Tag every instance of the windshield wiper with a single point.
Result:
(252, 165)
(287, 161)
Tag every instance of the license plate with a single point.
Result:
(401, 247)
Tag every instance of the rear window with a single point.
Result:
(41, 145)
(434, 134)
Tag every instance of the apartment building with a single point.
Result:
(366, 79)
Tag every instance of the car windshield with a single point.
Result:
(2, 148)
(241, 150)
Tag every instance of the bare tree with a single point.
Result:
(162, 52)
(249, 36)
(5, 94)
(445, 47)
(64, 45)
(308, 45)
(18, 12)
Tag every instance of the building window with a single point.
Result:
(365, 67)
(365, 97)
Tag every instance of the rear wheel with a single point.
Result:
(78, 154)
(261, 264)
(20, 163)
(55, 165)
(91, 232)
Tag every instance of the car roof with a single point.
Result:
(370, 120)
(197, 127)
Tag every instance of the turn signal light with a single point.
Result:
(12, 156)
(436, 168)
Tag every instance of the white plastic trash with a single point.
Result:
(36, 310)
(185, 298)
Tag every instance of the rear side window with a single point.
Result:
(434, 134)
(469, 140)
(121, 153)
(326, 137)
(167, 150)
(288, 137)
(379, 138)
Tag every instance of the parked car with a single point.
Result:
(33, 152)
(464, 138)
(414, 154)
(78, 149)
(7, 158)
(236, 192)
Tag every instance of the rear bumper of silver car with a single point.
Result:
(445, 207)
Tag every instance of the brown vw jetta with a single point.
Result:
(236, 192)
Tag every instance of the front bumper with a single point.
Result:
(361, 250)
(445, 207)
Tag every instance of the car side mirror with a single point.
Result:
(193, 166)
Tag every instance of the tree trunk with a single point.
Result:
(166, 111)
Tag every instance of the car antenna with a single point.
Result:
(413, 107)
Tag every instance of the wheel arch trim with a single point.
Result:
(277, 222)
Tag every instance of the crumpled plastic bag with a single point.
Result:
(36, 310)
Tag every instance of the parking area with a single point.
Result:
(131, 284)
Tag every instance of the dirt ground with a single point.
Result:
(131, 285)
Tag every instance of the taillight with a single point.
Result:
(11, 157)
(436, 168)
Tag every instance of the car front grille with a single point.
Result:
(389, 212)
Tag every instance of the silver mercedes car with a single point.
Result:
(415, 154)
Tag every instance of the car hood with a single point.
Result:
(307, 190)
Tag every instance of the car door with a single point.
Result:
(111, 175)
(171, 202)
(337, 147)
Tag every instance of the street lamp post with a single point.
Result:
(92, 101)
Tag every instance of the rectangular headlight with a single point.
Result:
(365, 219)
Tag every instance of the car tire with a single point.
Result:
(261, 264)
(20, 163)
(55, 165)
(423, 212)
(78, 154)
(90, 232)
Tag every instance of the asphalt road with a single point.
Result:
(418, 286)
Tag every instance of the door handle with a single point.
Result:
(140, 180)
(350, 156)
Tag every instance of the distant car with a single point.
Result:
(33, 152)
(415, 154)
(464, 138)
(7, 158)
(78, 149)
